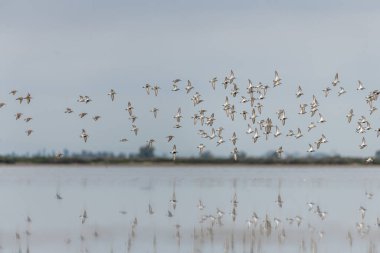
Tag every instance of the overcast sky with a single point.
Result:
(58, 50)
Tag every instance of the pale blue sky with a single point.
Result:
(57, 50)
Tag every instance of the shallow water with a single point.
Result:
(105, 192)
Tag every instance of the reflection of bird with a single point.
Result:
(83, 216)
(58, 196)
(279, 201)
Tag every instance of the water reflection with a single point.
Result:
(185, 209)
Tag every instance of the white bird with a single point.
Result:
(341, 91)
(249, 130)
(174, 152)
(255, 135)
(277, 79)
(363, 144)
(201, 147)
(360, 86)
(277, 133)
(299, 92)
(84, 135)
(311, 126)
(233, 139)
(135, 129)
(189, 87)
(279, 152)
(298, 134)
(311, 149)
(234, 153)
(302, 109)
(321, 119)
(178, 115)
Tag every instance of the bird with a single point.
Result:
(311, 149)
(96, 117)
(349, 115)
(84, 135)
(29, 132)
(341, 91)
(321, 119)
(174, 152)
(28, 98)
(154, 110)
(82, 114)
(363, 144)
(135, 129)
(170, 137)
(277, 79)
(18, 115)
(147, 88)
(69, 110)
(279, 152)
(326, 91)
(299, 92)
(234, 153)
(13, 92)
(20, 99)
(213, 82)
(311, 126)
(360, 86)
(336, 80)
(155, 89)
(112, 94)
(130, 108)
(233, 139)
(189, 87)
(2, 104)
(58, 155)
(298, 134)
(27, 119)
(201, 147)
(123, 140)
(150, 143)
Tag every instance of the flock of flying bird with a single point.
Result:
(258, 124)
